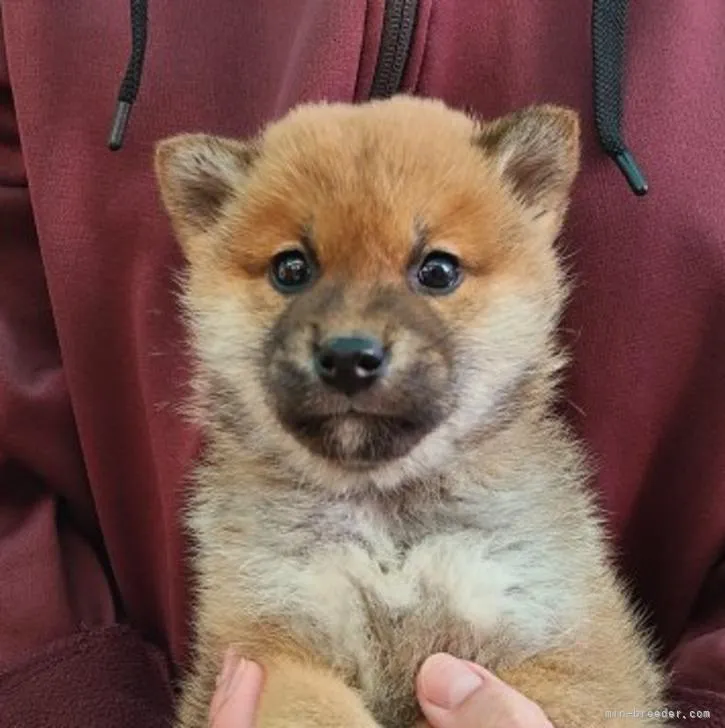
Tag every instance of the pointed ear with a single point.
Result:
(197, 174)
(536, 152)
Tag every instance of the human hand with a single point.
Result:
(452, 694)
(458, 694)
(239, 687)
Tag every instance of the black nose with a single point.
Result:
(350, 363)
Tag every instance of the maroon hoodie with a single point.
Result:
(93, 454)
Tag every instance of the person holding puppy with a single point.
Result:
(452, 694)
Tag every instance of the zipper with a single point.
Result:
(396, 40)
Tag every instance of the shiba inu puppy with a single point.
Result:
(372, 294)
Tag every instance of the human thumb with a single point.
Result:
(237, 694)
(456, 694)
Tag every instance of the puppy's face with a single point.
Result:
(368, 285)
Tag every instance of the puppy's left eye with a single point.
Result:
(439, 273)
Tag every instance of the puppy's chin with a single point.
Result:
(359, 441)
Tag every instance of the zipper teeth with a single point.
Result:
(397, 38)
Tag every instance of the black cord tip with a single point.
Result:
(632, 173)
(118, 128)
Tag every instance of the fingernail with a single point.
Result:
(231, 660)
(237, 676)
(447, 682)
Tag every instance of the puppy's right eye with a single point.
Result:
(291, 271)
(439, 273)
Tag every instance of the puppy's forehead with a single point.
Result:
(365, 182)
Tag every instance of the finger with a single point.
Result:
(456, 694)
(229, 666)
(235, 701)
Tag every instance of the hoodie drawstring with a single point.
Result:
(609, 25)
(132, 78)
